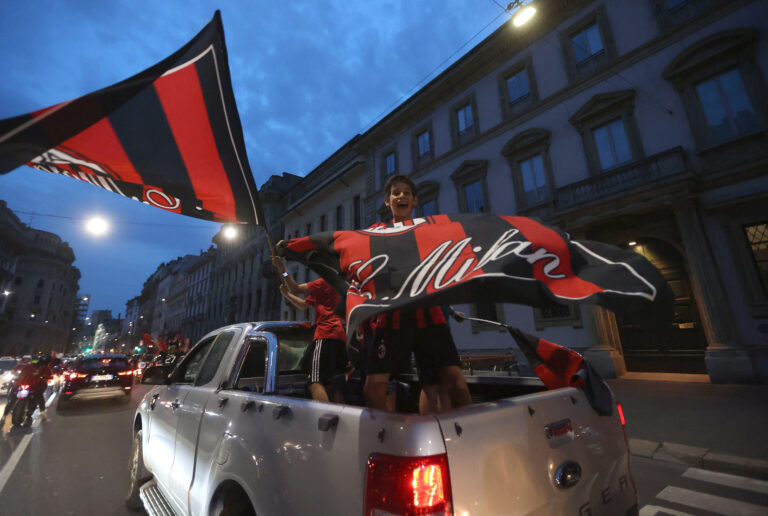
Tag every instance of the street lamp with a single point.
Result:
(6, 292)
(230, 232)
(96, 226)
(524, 12)
(85, 298)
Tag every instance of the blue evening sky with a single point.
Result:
(307, 75)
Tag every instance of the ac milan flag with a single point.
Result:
(559, 367)
(169, 137)
(464, 258)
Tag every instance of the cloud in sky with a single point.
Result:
(307, 77)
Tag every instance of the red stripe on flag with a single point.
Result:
(571, 286)
(184, 106)
(428, 239)
(300, 245)
(100, 145)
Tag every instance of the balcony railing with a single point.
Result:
(638, 175)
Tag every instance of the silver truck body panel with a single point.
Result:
(502, 461)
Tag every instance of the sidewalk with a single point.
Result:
(722, 427)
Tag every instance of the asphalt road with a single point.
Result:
(76, 463)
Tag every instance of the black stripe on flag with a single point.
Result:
(157, 159)
(222, 133)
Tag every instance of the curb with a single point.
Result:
(699, 457)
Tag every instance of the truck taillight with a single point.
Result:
(621, 414)
(408, 486)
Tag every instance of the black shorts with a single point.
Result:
(433, 348)
(324, 360)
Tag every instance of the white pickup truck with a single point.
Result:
(232, 430)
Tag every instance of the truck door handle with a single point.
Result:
(153, 401)
(175, 404)
(280, 411)
(223, 401)
(327, 421)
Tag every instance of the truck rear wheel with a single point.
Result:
(137, 474)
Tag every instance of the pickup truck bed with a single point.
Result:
(246, 437)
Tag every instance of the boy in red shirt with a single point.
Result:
(326, 357)
(423, 331)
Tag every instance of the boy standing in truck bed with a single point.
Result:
(423, 331)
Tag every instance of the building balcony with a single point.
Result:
(646, 174)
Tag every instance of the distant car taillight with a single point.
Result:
(72, 376)
(408, 486)
(125, 373)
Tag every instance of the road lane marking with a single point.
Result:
(7, 470)
(712, 503)
(750, 484)
(653, 510)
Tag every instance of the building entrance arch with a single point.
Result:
(680, 347)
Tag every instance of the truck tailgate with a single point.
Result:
(504, 457)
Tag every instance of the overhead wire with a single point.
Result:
(426, 77)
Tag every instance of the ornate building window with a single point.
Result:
(427, 193)
(528, 158)
(517, 88)
(464, 121)
(609, 130)
(671, 13)
(423, 146)
(721, 87)
(757, 239)
(389, 164)
(588, 45)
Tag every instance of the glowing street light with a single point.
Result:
(85, 298)
(524, 12)
(96, 226)
(230, 232)
(6, 292)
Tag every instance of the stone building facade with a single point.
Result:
(243, 286)
(38, 310)
(196, 301)
(638, 123)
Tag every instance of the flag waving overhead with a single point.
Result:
(169, 137)
(469, 258)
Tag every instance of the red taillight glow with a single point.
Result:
(621, 414)
(72, 376)
(125, 373)
(411, 486)
(24, 387)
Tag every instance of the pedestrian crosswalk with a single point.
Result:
(710, 492)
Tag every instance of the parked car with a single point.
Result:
(7, 366)
(232, 429)
(97, 376)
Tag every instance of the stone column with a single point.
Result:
(606, 355)
(726, 358)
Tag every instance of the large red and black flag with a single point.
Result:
(169, 136)
(464, 258)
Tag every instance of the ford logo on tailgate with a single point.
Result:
(567, 474)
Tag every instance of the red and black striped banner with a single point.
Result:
(469, 258)
(558, 367)
(169, 137)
